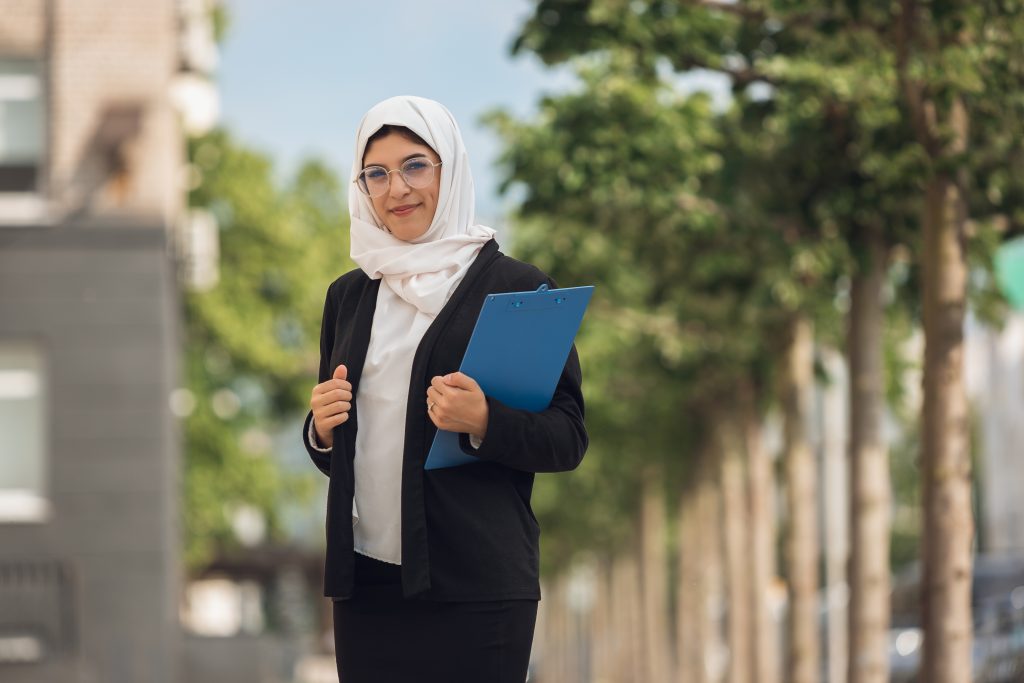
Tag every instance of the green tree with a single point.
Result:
(960, 69)
(886, 90)
(252, 340)
(638, 179)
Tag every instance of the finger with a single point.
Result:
(331, 385)
(340, 372)
(438, 412)
(433, 409)
(333, 420)
(339, 395)
(333, 408)
(334, 385)
(329, 398)
(330, 405)
(323, 398)
(433, 395)
(461, 381)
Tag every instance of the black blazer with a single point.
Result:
(468, 532)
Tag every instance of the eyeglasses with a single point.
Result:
(416, 172)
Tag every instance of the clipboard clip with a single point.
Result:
(528, 303)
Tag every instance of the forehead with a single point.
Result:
(394, 148)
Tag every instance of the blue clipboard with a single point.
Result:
(516, 354)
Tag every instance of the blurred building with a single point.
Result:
(94, 96)
(994, 361)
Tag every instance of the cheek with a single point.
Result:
(378, 206)
(435, 191)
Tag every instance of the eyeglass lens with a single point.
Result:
(416, 172)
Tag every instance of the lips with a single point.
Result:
(404, 210)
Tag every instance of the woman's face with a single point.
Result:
(406, 211)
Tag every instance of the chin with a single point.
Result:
(408, 233)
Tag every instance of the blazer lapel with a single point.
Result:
(353, 354)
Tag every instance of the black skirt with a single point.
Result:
(381, 637)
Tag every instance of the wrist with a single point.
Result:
(480, 429)
(321, 440)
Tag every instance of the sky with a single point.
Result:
(296, 76)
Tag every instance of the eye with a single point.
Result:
(417, 165)
(375, 173)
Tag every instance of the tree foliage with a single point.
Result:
(252, 341)
(861, 138)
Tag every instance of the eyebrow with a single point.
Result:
(411, 156)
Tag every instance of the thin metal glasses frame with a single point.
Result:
(364, 188)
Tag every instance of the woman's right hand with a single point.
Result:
(331, 402)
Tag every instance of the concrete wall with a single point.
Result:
(101, 303)
(93, 285)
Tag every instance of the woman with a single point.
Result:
(434, 574)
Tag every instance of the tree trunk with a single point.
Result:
(762, 543)
(737, 549)
(543, 647)
(803, 662)
(602, 625)
(836, 509)
(626, 615)
(692, 625)
(945, 456)
(557, 642)
(654, 583)
(870, 484)
(714, 658)
(620, 640)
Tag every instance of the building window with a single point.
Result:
(23, 491)
(21, 125)
(22, 140)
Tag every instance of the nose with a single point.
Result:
(397, 187)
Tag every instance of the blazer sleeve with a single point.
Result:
(553, 440)
(321, 459)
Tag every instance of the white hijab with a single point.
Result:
(426, 271)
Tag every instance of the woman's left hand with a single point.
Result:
(455, 403)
